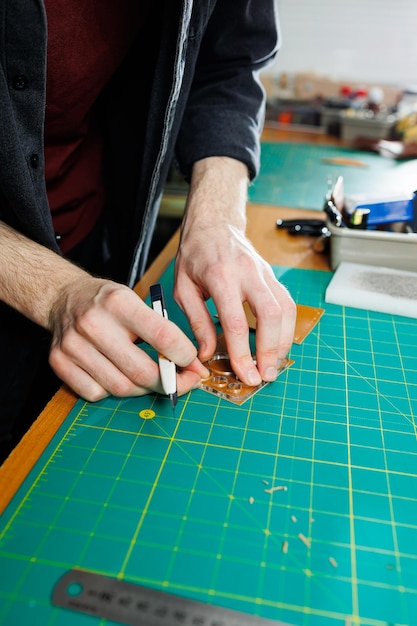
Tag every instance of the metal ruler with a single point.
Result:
(117, 600)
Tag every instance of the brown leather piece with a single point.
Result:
(307, 318)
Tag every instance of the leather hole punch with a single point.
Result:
(224, 383)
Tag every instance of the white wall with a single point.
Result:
(364, 40)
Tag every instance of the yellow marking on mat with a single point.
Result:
(267, 532)
(251, 500)
(308, 572)
(284, 547)
(304, 539)
(147, 414)
(293, 519)
(332, 561)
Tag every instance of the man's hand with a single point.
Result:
(216, 260)
(94, 323)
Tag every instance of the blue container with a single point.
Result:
(389, 211)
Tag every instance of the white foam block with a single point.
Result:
(374, 288)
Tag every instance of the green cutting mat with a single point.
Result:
(167, 502)
(294, 175)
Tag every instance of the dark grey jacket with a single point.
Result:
(189, 91)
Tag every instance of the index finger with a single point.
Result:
(236, 332)
(167, 339)
(275, 313)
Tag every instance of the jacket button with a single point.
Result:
(20, 81)
(58, 237)
(34, 160)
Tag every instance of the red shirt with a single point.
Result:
(87, 40)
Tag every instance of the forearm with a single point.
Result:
(31, 276)
(218, 194)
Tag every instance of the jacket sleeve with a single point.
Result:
(225, 108)
(23, 199)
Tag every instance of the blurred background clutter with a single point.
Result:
(346, 68)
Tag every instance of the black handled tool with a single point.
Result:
(311, 227)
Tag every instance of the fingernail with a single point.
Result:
(205, 373)
(270, 374)
(254, 377)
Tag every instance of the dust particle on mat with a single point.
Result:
(304, 540)
(278, 488)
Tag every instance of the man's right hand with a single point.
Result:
(94, 323)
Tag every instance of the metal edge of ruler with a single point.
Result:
(104, 597)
